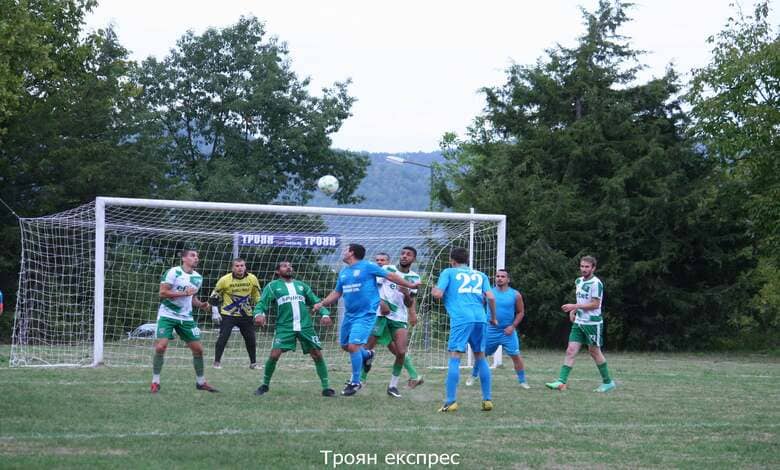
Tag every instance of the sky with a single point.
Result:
(417, 66)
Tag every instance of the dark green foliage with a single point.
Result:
(585, 161)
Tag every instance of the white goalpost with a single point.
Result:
(89, 277)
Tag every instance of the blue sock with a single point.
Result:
(484, 378)
(453, 377)
(521, 375)
(357, 365)
(475, 371)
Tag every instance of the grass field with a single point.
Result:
(669, 411)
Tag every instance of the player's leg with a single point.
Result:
(163, 333)
(225, 330)
(491, 346)
(379, 335)
(478, 341)
(357, 336)
(598, 357)
(415, 379)
(400, 339)
(270, 365)
(197, 360)
(456, 346)
(247, 327)
(310, 343)
(511, 345)
(576, 339)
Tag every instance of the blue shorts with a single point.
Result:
(496, 338)
(473, 334)
(356, 330)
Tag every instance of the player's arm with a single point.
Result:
(329, 300)
(569, 308)
(519, 314)
(312, 299)
(398, 279)
(491, 302)
(384, 309)
(263, 305)
(412, 309)
(167, 292)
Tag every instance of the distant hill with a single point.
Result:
(392, 186)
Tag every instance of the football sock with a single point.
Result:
(268, 370)
(157, 363)
(484, 378)
(475, 370)
(322, 372)
(397, 368)
(565, 370)
(197, 361)
(453, 376)
(357, 365)
(394, 380)
(410, 367)
(521, 375)
(604, 372)
(363, 375)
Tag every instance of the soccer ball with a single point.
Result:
(328, 184)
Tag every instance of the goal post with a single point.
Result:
(89, 276)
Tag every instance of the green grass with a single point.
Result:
(669, 411)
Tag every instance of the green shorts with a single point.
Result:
(384, 329)
(286, 340)
(591, 335)
(187, 330)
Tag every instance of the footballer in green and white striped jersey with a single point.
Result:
(393, 296)
(179, 308)
(587, 290)
(290, 297)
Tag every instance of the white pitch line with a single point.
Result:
(384, 430)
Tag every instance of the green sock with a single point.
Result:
(564, 373)
(604, 372)
(397, 368)
(157, 363)
(269, 368)
(322, 372)
(197, 361)
(410, 367)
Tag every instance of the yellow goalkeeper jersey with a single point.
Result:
(239, 296)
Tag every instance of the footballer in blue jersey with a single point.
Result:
(510, 310)
(357, 285)
(465, 292)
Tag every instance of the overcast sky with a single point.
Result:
(417, 66)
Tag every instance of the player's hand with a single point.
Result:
(316, 308)
(568, 307)
(215, 316)
(204, 306)
(493, 321)
(412, 320)
(572, 316)
(509, 330)
(188, 291)
(260, 320)
(326, 321)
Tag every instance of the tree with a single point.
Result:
(236, 124)
(735, 103)
(585, 161)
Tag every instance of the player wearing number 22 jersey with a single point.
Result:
(464, 291)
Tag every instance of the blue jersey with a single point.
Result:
(505, 306)
(464, 294)
(357, 284)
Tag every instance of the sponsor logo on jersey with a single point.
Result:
(355, 272)
(286, 299)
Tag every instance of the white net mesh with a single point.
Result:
(54, 322)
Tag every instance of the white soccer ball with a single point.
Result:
(328, 184)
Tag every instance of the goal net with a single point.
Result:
(89, 280)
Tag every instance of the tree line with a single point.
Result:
(674, 187)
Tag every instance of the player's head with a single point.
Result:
(587, 266)
(459, 256)
(408, 256)
(284, 269)
(189, 258)
(239, 268)
(353, 252)
(382, 258)
(502, 278)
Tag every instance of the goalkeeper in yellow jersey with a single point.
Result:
(232, 302)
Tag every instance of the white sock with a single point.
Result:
(394, 381)
(155, 378)
(200, 380)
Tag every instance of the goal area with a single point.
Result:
(90, 276)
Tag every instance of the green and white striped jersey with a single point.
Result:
(392, 295)
(291, 299)
(588, 290)
(179, 308)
